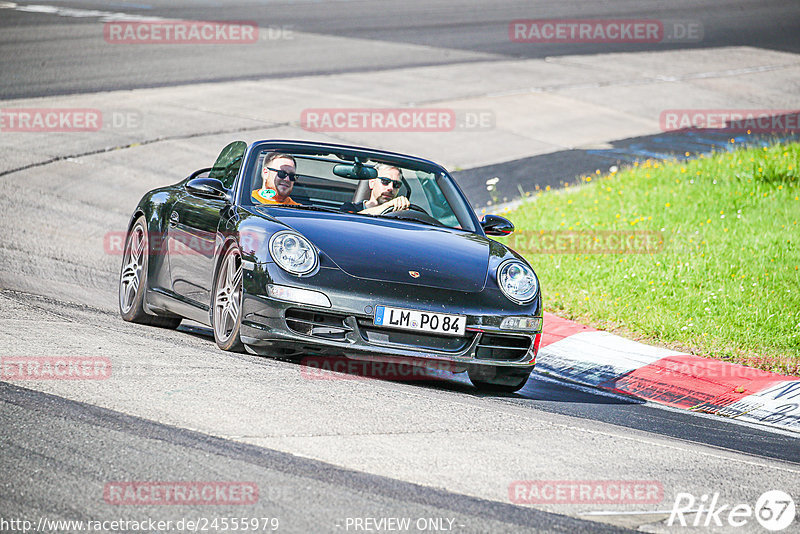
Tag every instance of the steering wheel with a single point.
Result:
(412, 213)
(413, 207)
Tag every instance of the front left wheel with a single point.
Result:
(133, 280)
(226, 314)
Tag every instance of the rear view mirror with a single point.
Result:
(356, 171)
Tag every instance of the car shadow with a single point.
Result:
(546, 394)
(197, 330)
(544, 388)
(539, 388)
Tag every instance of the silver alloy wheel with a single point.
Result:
(228, 297)
(134, 264)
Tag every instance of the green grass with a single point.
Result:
(725, 283)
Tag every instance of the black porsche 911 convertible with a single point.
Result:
(297, 264)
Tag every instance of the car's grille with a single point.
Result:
(418, 340)
(499, 347)
(323, 325)
(502, 347)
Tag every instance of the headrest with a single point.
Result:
(362, 191)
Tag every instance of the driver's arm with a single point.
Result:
(396, 204)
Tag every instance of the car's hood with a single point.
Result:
(394, 250)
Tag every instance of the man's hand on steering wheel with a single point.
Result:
(397, 204)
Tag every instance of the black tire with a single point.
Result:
(226, 301)
(494, 379)
(133, 280)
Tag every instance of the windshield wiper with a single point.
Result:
(432, 222)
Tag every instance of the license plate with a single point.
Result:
(423, 321)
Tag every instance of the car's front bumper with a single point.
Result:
(274, 326)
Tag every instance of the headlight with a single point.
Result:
(293, 252)
(517, 281)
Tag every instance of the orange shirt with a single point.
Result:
(266, 196)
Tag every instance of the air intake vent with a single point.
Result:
(323, 325)
(502, 347)
(417, 340)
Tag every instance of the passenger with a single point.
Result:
(383, 194)
(278, 177)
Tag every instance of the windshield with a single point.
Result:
(369, 188)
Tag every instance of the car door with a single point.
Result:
(192, 230)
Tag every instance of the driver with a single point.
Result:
(278, 177)
(383, 193)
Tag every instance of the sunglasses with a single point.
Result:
(283, 174)
(395, 183)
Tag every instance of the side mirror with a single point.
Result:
(208, 188)
(202, 173)
(496, 225)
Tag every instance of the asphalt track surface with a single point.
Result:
(51, 54)
(305, 496)
(58, 452)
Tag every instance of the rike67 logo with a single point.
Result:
(774, 510)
